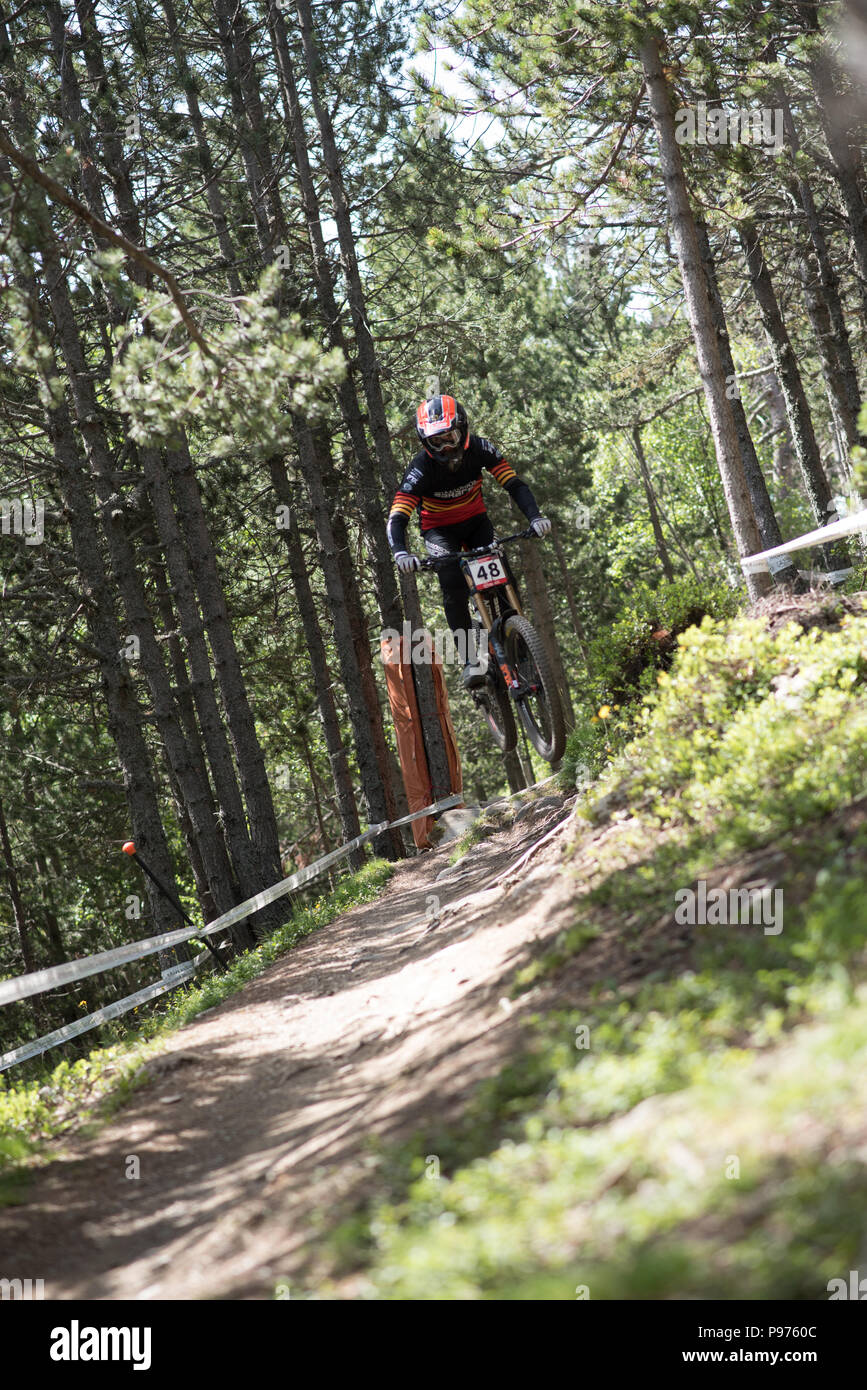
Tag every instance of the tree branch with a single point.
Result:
(59, 194)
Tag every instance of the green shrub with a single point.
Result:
(624, 662)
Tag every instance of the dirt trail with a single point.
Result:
(260, 1112)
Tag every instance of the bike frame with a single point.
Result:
(506, 603)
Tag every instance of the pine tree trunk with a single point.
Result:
(249, 877)
(783, 570)
(239, 716)
(19, 915)
(192, 787)
(789, 377)
(658, 537)
(846, 162)
(785, 468)
(363, 735)
(843, 422)
(746, 531)
(367, 488)
(229, 801)
(186, 714)
(514, 771)
(124, 714)
(366, 351)
(252, 130)
(203, 151)
(844, 381)
(125, 717)
(543, 621)
(338, 761)
(569, 589)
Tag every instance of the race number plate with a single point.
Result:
(487, 572)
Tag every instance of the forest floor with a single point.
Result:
(267, 1110)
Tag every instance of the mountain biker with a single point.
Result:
(445, 477)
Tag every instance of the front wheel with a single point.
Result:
(540, 708)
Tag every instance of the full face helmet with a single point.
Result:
(442, 426)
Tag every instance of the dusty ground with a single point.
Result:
(260, 1112)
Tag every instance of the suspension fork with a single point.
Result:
(493, 627)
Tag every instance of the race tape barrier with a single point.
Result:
(100, 1016)
(24, 986)
(763, 561)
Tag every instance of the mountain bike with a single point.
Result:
(519, 674)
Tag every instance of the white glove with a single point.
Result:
(406, 562)
(540, 526)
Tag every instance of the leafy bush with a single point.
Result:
(752, 732)
(643, 639)
(624, 662)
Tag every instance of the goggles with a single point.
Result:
(449, 442)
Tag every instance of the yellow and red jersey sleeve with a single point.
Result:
(402, 508)
(502, 471)
(404, 504)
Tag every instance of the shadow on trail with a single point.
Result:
(228, 1129)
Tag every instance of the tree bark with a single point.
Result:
(514, 771)
(19, 915)
(569, 589)
(543, 619)
(239, 715)
(322, 682)
(783, 570)
(250, 879)
(203, 151)
(365, 347)
(659, 538)
(365, 746)
(843, 382)
(746, 531)
(845, 160)
(789, 377)
(192, 788)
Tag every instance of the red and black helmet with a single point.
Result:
(442, 426)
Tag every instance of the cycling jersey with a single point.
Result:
(446, 498)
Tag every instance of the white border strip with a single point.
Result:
(95, 964)
(88, 1021)
(23, 986)
(846, 526)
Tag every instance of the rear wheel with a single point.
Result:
(540, 709)
(492, 698)
(499, 715)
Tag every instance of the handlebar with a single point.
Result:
(431, 562)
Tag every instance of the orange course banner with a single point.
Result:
(407, 725)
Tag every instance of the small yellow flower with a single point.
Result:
(594, 719)
(605, 712)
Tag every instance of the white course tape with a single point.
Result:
(40, 980)
(115, 1010)
(846, 526)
